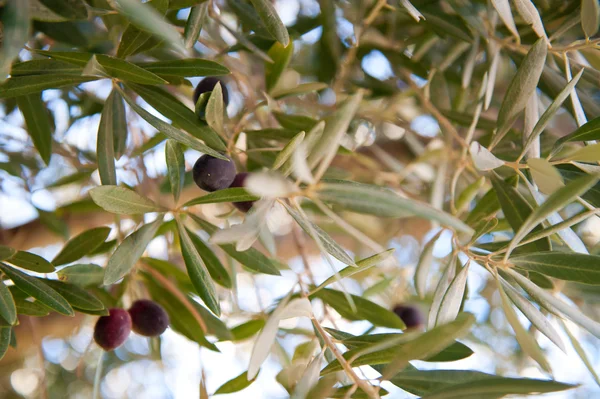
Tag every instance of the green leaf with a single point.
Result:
(76, 296)
(430, 343)
(521, 88)
(121, 69)
(197, 271)
(342, 393)
(235, 384)
(175, 167)
(81, 245)
(6, 252)
(281, 56)
(524, 338)
(134, 38)
(498, 387)
(303, 88)
(37, 289)
(38, 123)
(373, 200)
(189, 67)
(84, 275)
(555, 202)
(533, 314)
(590, 17)
(6, 334)
(320, 236)
(122, 200)
(217, 272)
(252, 258)
(30, 308)
(516, 210)
(288, 150)
(235, 194)
(24, 85)
(422, 270)
(247, 329)
(15, 24)
(361, 266)
(588, 153)
(336, 126)
(453, 298)
(562, 265)
(555, 305)
(108, 129)
(268, 15)
(69, 9)
(429, 383)
(410, 346)
(46, 66)
(180, 115)
(294, 122)
(29, 261)
(365, 309)
(170, 131)
(215, 110)
(150, 20)
(550, 112)
(194, 24)
(546, 177)
(8, 310)
(129, 251)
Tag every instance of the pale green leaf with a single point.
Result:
(15, 33)
(122, 200)
(194, 24)
(215, 110)
(234, 194)
(546, 177)
(590, 17)
(29, 261)
(129, 251)
(175, 167)
(281, 56)
(383, 202)
(108, 129)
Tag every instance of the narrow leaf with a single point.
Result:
(150, 20)
(281, 56)
(235, 384)
(129, 251)
(197, 271)
(170, 131)
(526, 340)
(450, 306)
(122, 200)
(29, 261)
(25, 85)
(38, 123)
(268, 15)
(15, 24)
(8, 310)
(521, 87)
(105, 146)
(81, 245)
(37, 289)
(363, 198)
(76, 296)
(215, 110)
(175, 167)
(194, 24)
(216, 269)
(235, 194)
(83, 275)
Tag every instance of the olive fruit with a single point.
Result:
(148, 318)
(410, 315)
(239, 180)
(212, 174)
(208, 84)
(112, 331)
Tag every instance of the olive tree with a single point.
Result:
(347, 196)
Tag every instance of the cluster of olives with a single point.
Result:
(210, 173)
(145, 317)
(410, 315)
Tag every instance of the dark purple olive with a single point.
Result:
(212, 174)
(208, 84)
(112, 331)
(410, 315)
(148, 318)
(239, 180)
